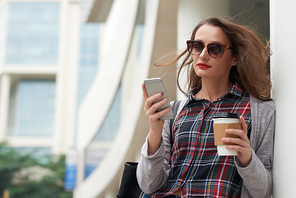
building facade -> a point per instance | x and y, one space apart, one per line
48 61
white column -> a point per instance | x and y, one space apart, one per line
190 13
66 78
283 69
71 74
4 104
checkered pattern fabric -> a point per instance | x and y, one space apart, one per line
196 166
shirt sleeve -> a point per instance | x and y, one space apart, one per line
153 170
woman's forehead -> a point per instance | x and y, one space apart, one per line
209 33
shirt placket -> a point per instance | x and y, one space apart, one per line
196 152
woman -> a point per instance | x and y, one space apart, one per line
227 67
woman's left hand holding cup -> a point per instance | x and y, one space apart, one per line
241 144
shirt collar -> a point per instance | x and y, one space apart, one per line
235 90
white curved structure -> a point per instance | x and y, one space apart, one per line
115 49
117 67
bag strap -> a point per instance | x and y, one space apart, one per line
175 110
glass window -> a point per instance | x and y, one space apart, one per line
99 147
89 53
32 33
110 126
3 32
139 30
31 108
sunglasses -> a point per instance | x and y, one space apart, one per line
215 50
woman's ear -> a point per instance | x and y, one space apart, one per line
234 62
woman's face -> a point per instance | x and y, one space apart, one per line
207 67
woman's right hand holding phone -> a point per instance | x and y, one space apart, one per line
156 125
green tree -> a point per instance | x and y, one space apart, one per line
28 176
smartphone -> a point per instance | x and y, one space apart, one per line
153 86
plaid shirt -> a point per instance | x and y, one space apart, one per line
196 166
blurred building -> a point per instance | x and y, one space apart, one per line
48 60
71 74
45 72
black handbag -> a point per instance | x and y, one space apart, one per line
129 187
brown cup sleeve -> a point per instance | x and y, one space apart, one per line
219 131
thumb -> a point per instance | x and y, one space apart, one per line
244 125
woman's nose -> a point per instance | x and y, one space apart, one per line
204 53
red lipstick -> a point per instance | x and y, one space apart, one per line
203 66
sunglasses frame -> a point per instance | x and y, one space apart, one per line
208 46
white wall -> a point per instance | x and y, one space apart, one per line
283 68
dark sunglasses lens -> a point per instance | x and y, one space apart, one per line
195 47
216 50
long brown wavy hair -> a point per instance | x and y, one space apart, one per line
252 56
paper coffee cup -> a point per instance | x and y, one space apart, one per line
223 121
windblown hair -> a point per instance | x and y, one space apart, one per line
252 69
